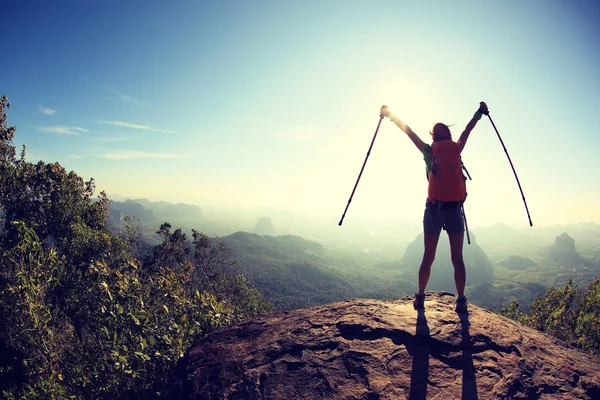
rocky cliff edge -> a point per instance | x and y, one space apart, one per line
370 349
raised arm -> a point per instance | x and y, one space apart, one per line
462 140
413 136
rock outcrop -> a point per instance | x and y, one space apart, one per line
264 226
563 252
369 349
564 244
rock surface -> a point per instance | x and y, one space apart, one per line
369 349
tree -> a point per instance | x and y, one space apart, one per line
513 311
565 313
174 249
129 341
555 312
212 268
82 317
587 327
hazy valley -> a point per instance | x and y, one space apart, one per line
296 262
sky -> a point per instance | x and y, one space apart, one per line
274 104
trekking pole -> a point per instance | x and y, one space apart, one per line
462 209
362 169
465 169
513 169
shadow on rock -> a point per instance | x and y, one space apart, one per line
469 380
420 355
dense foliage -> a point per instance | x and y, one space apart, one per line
87 313
565 313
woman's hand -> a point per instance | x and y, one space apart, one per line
483 108
384 111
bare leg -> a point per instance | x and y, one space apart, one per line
431 241
460 274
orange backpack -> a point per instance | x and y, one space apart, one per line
446 180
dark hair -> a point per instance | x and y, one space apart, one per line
440 132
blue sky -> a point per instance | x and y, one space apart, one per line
273 104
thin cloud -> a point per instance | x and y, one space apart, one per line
112 139
134 155
134 126
132 100
63 130
114 92
126 98
46 110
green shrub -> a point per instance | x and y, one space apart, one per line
587 327
565 313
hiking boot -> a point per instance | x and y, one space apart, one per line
461 305
419 302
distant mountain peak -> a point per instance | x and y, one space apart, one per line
501 228
264 226
564 243
563 252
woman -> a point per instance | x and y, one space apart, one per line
445 195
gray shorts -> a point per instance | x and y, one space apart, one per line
447 216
